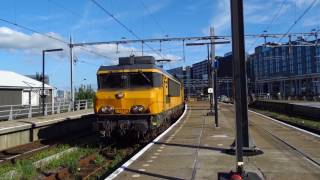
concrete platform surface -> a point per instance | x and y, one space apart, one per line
195 149
22 124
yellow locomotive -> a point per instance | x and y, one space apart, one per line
136 98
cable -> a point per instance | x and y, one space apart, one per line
153 18
299 18
122 24
270 24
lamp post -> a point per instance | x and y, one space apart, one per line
43 96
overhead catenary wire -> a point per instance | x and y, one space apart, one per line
153 18
276 15
299 18
123 25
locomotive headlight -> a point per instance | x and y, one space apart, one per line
137 109
107 109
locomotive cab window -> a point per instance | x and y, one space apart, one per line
173 88
129 80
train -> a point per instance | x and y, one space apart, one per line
136 99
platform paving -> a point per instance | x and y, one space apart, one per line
195 149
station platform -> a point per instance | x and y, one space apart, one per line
195 149
22 131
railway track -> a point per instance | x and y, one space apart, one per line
298 151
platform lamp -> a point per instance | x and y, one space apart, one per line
43 96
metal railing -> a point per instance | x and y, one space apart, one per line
11 112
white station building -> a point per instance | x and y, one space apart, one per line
16 89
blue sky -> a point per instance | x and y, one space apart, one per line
20 50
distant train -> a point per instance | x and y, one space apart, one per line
136 98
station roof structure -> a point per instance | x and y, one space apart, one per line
12 80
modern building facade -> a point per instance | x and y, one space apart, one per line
195 78
200 70
285 71
225 75
184 74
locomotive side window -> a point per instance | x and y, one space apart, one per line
174 88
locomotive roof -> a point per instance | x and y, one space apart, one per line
136 66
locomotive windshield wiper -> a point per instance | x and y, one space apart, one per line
142 74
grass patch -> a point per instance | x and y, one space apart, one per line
18 166
296 120
99 159
26 169
69 160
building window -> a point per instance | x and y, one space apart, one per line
291 62
284 60
265 64
271 66
299 60
318 59
308 61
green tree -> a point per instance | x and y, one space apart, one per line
84 92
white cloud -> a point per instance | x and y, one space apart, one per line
13 40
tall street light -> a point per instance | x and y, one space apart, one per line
43 96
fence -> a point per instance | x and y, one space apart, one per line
11 112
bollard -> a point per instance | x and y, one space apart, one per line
11 114
78 107
69 108
46 110
58 109
52 108
86 106
30 112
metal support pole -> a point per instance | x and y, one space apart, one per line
210 113
71 73
215 98
42 95
214 74
239 77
